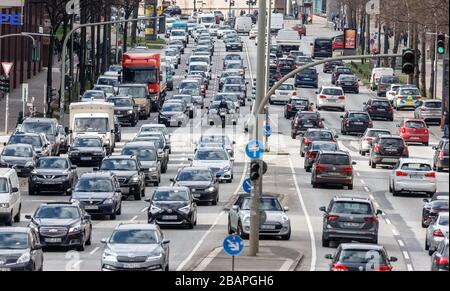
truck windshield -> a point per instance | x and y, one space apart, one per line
91 124
208 19
133 91
140 75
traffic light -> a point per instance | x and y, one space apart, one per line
254 170
408 61
440 44
4 84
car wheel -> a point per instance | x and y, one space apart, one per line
81 247
373 165
17 217
427 246
30 191
156 184
215 200
143 192
286 236
293 135
119 211
363 153
394 191
350 187
375 241
426 144
137 195
430 252
423 224
439 169
302 154
315 185
113 216
89 241
240 232
325 242
308 169
166 269
390 187
230 231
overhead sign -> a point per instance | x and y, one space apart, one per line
247 185
254 149
233 245
11 19
7 67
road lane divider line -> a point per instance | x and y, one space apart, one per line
286 265
144 209
205 263
94 250
401 243
406 255
358 174
409 267
395 232
367 189
308 220
363 182
134 218
388 221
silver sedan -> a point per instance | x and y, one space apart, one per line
436 232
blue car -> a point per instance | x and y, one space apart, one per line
307 78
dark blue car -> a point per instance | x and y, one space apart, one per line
307 78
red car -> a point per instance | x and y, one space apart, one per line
338 42
415 130
301 29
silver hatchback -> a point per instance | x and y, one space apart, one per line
436 232
429 110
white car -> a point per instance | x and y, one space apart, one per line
412 175
253 32
391 92
283 94
179 34
213 29
10 198
217 159
109 90
330 97
436 232
365 143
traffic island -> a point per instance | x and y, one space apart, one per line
269 258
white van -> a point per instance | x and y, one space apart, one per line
376 74
10 198
207 19
277 22
243 24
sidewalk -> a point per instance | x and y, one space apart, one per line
270 258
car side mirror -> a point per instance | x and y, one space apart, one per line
66 129
286 209
4 143
398 125
172 180
103 240
112 131
15 189
190 159
235 207
323 209
317 92
364 103
336 136
165 241
426 200
311 44
323 119
353 163
232 159
393 259
342 116
95 169
27 216
328 256
148 200
379 212
87 217
73 167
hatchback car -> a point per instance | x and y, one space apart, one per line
147 153
365 142
237 90
337 71
387 149
93 95
437 231
406 98
227 143
303 60
314 149
315 135
414 131
432 207
348 83
330 97
283 93
360 257
332 167
276 223
125 109
158 128
159 143
20 156
412 175
190 103
439 259
305 120
429 111
441 155
350 218
202 182
39 141
138 247
218 160
173 206
296 104
379 108
355 122
173 114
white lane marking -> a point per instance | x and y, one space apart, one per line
342 146
202 239
358 174
363 182
287 265
388 221
76 264
144 209
205 263
94 250
366 189
371 197
401 243
395 232
409 267
376 204
308 220
134 218
406 255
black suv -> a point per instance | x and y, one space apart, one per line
379 108
202 182
87 150
387 149
125 109
99 193
328 67
305 120
63 224
52 174
130 174
286 65
355 122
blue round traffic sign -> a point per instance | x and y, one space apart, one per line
247 185
267 130
233 245
254 149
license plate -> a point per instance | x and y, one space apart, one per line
381 109
351 224
267 227
131 265
415 137
53 240
119 115
333 174
91 207
307 79
5 269
359 123
169 217
86 158
348 84
332 100
391 150
173 123
308 125
197 195
415 176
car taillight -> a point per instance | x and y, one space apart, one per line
339 267
403 130
368 138
423 108
337 83
405 150
320 168
400 174
370 123
347 170
308 141
390 109
426 131
290 106
384 268
323 97
431 175
341 97
332 218
442 261
441 154
438 233
376 148
355 84
347 122
370 107
371 219
399 97
294 93
312 155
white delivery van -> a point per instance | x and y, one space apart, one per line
277 22
93 118
10 199
243 24
207 19
376 74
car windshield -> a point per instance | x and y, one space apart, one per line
108 81
188 85
409 91
134 236
233 66
320 135
422 167
57 212
211 156
87 142
232 89
300 102
202 68
332 91
379 103
286 62
121 102
433 104
144 154
52 163
91 124
236 81
358 117
324 146
215 105
38 127
415 124
215 139
286 87
389 79
178 33
94 95
347 78
370 258
133 91
309 72
207 19
171 195
119 165
265 204
391 142
304 59
160 129
172 107
233 57
94 185
32 140
330 159
13 241
228 74
106 89
351 208
344 70
4 188
375 133
194 175
18 151
114 68
171 53
228 97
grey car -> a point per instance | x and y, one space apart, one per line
159 128
350 218
276 222
21 156
136 247
159 143
148 156
441 155
39 141
385 82
429 110
47 126
436 232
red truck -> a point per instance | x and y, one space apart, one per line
143 67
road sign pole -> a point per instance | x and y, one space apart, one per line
232 263
6 113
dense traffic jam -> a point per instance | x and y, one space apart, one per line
46 154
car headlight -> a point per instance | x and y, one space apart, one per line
130 111
34 226
227 169
185 209
211 189
153 257
25 258
284 218
108 201
135 179
152 169
109 256
75 228
154 209
4 205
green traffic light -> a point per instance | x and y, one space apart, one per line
441 50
